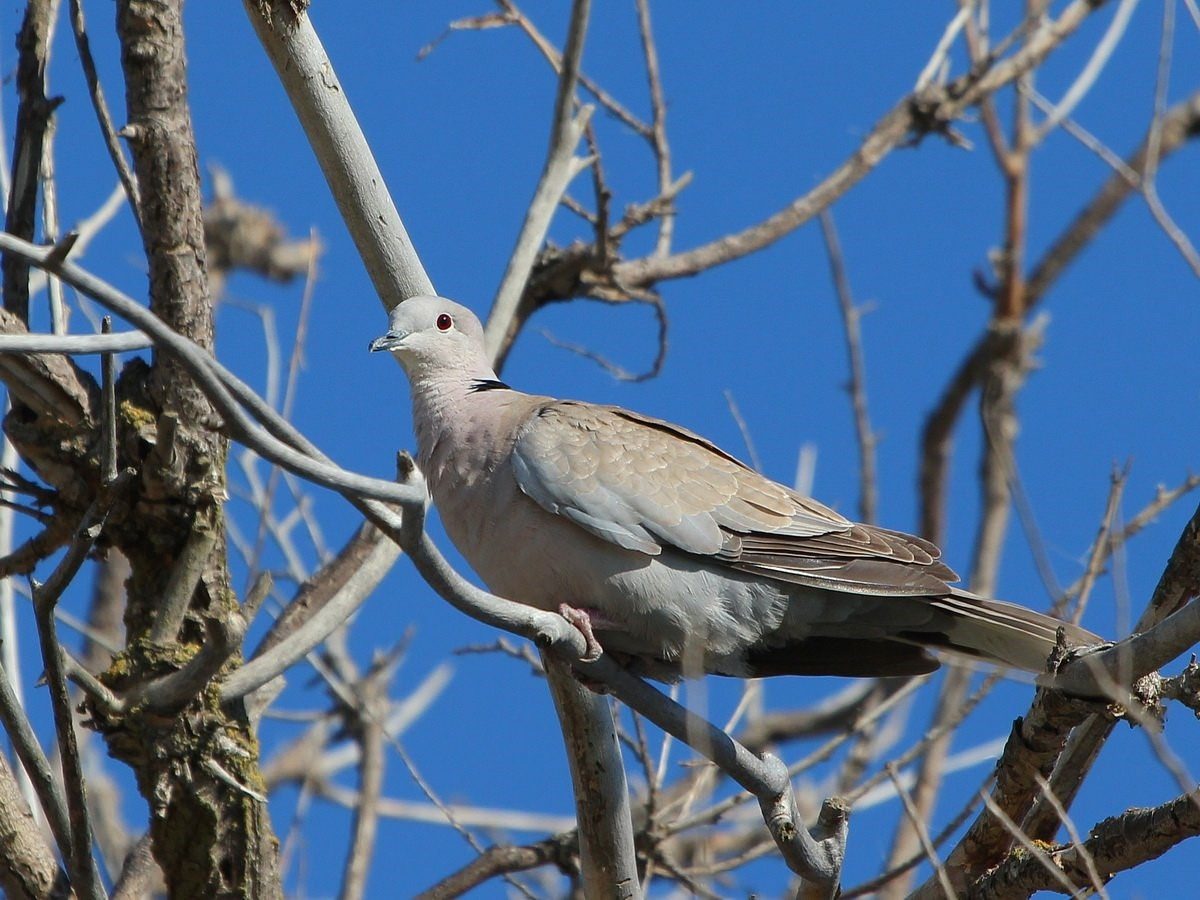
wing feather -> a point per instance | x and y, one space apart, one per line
645 485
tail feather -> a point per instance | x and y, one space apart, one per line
998 632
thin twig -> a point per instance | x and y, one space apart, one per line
1088 860
922 831
851 319
36 766
370 734
942 51
744 430
1089 73
617 371
894 129
100 105
552 56
560 169
1101 548
108 370
1149 186
658 111
81 864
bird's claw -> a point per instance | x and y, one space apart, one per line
583 622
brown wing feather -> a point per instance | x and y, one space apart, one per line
849 555
649 484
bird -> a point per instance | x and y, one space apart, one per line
668 553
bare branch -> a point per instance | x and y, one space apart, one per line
189 566
220 385
307 756
1115 845
359 551
1033 850
617 371
1042 744
33 123
1172 230
560 169
99 104
51 385
81 864
370 734
353 586
1135 656
1177 125
169 693
1097 882
608 863
951 827
919 113
1101 547
918 825
449 814
1089 73
240 235
851 318
28 869
941 52
309 77
139 872
1005 376
560 850
658 110
818 858
37 767
552 56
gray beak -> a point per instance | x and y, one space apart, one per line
389 341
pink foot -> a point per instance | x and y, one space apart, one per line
582 620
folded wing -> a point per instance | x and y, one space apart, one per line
645 485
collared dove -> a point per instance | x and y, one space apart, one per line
666 551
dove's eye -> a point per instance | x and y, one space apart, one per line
444 322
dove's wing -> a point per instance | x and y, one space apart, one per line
646 485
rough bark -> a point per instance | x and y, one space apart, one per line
33 118
199 770
27 866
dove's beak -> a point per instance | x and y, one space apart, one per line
390 341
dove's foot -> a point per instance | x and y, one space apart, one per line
583 620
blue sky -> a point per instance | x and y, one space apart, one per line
764 100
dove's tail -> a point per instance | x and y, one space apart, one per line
996 631
860 635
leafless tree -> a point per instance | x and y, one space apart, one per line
141 478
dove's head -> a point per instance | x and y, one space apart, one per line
433 335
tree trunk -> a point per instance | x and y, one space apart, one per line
199 771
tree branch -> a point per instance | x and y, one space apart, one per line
115 152
28 869
608 863
917 114
851 319
508 313
559 850
320 102
1115 845
33 121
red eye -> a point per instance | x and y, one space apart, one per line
444 322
